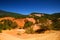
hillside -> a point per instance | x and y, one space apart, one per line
17 15
35 26
11 14
35 20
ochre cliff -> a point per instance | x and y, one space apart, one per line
20 22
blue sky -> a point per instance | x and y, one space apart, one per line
28 6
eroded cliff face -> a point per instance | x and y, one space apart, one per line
20 22
31 20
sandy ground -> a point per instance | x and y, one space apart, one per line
4 36
49 36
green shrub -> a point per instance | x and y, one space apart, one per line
56 26
7 24
1 28
29 30
42 29
27 24
0 31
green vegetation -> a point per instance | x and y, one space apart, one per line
30 30
56 15
7 24
28 27
28 24
1 27
11 14
56 25
43 20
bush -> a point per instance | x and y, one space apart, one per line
0 31
56 25
7 24
42 30
29 30
1 28
28 24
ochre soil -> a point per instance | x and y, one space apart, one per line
12 35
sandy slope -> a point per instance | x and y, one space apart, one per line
49 36
4 36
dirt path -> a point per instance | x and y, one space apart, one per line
50 36
4 36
